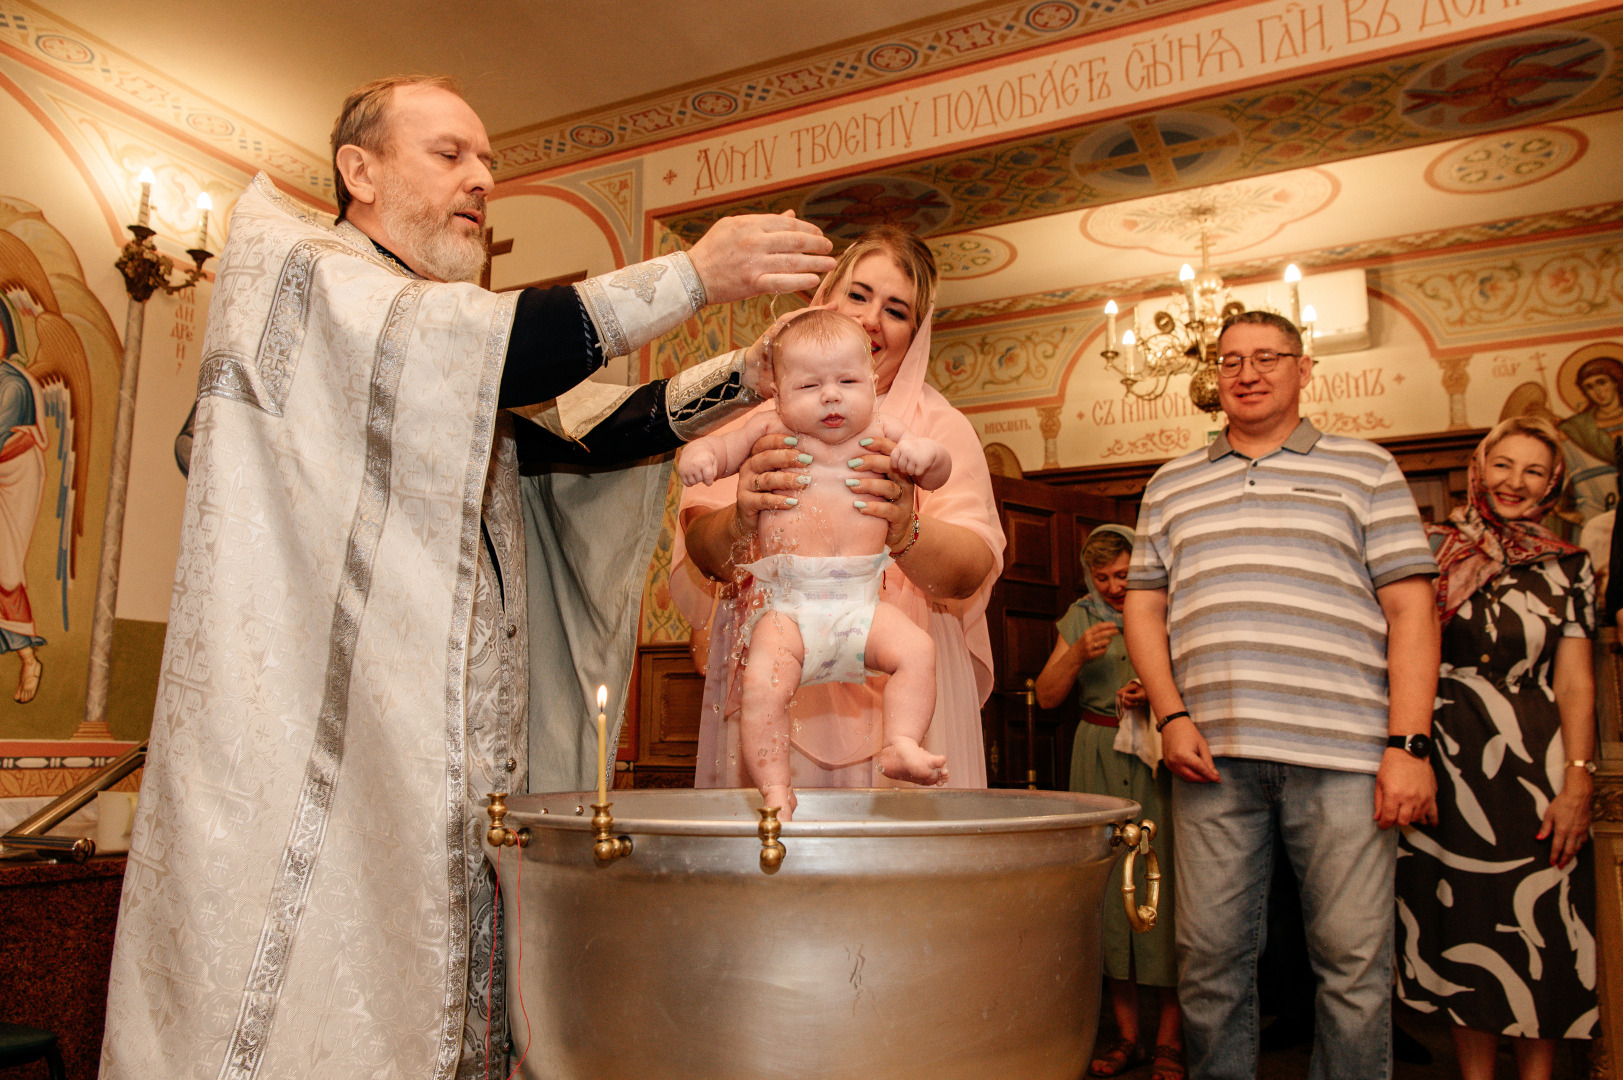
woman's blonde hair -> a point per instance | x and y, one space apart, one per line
1534 427
910 254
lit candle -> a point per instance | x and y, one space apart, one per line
1187 276
1309 317
1293 278
1129 346
144 211
1110 325
602 746
204 204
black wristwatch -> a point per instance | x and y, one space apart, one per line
1418 745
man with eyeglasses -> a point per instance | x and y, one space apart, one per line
1281 616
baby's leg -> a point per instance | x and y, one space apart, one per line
897 646
770 679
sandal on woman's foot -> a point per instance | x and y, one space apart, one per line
1168 1061
1117 1058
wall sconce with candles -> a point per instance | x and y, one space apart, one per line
145 272
1181 337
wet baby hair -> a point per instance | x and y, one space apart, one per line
822 327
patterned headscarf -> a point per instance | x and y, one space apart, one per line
1477 544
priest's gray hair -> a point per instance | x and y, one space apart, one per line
364 120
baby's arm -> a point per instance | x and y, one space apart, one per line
706 460
925 461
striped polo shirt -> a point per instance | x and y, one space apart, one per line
1271 565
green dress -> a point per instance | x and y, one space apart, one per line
1098 768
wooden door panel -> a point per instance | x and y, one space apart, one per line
1045 527
1033 545
1028 638
669 698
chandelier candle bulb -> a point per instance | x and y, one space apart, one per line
143 212
602 746
1129 349
1309 317
1110 325
204 205
1187 276
1293 278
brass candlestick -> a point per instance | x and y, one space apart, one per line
772 849
499 835
605 847
145 271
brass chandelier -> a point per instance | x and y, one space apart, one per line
1181 338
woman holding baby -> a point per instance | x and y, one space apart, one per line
947 547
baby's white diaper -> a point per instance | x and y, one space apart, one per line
832 599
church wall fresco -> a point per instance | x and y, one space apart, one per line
79 122
32 37
1212 134
1435 321
991 114
971 35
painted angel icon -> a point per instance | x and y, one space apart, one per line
44 390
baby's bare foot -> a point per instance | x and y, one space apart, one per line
783 797
904 759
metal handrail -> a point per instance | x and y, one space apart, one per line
29 834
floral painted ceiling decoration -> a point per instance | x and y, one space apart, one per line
1233 216
971 255
1510 160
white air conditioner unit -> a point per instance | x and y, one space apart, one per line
1339 298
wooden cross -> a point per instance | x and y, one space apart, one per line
493 248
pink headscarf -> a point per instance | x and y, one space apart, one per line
1477 544
838 725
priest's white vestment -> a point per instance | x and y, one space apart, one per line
308 838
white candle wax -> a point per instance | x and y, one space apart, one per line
204 205
602 746
143 212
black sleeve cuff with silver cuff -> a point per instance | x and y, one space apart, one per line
636 304
707 395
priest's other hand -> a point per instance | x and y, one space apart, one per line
751 254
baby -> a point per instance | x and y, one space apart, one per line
822 562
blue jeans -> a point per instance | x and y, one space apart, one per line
1345 866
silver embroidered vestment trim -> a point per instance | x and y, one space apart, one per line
302 853
456 688
637 303
707 395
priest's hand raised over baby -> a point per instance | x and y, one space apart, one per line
751 254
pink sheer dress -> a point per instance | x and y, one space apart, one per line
836 729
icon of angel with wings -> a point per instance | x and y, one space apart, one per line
45 409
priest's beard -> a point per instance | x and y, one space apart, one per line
426 237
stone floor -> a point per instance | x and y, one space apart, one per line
1430 1031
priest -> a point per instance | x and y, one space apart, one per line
363 578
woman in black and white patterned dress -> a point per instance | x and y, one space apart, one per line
1496 903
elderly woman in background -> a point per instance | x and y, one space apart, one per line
1091 655
1496 902
947 545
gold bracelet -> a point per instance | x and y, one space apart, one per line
911 540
